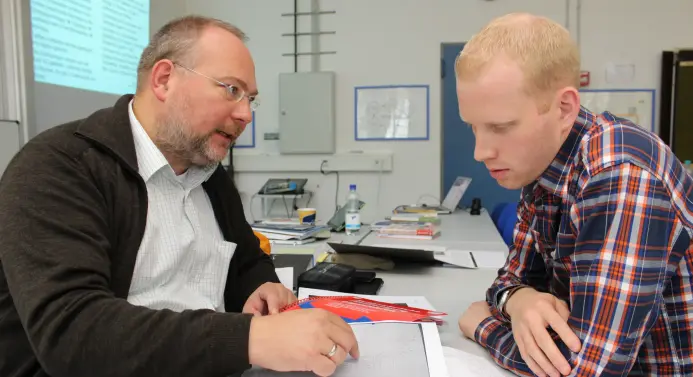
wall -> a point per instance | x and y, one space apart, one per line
162 11
18 100
9 143
398 42
647 29
56 104
12 71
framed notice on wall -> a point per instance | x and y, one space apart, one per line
391 113
636 105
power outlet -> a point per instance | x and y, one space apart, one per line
345 162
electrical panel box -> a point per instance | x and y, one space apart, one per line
307 112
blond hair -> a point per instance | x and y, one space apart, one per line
175 41
543 49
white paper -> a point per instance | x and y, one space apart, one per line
620 73
286 277
489 259
459 258
411 246
636 106
463 364
386 350
392 112
434 350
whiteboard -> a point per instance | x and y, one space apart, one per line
247 138
391 112
636 105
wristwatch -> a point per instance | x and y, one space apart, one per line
504 297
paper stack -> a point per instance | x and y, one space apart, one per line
431 218
295 233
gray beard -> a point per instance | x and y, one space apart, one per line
174 139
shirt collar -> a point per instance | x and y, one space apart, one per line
195 176
149 157
556 177
150 160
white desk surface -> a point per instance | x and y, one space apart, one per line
459 230
449 289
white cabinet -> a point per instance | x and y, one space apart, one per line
306 113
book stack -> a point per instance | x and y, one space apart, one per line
292 233
411 230
421 210
431 218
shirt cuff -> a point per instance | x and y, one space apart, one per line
486 327
495 311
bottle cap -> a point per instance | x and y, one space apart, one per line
352 187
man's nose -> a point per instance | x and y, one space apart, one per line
242 113
483 151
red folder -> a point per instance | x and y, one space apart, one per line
357 309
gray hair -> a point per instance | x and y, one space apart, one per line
175 41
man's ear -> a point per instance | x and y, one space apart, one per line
569 107
160 77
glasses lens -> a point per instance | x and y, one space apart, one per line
235 93
255 103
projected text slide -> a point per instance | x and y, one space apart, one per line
89 44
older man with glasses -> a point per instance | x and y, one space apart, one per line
125 250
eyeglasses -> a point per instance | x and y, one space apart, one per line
234 93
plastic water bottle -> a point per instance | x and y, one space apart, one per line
353 216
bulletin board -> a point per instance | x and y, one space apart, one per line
636 105
247 138
391 112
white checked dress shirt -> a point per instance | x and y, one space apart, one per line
183 260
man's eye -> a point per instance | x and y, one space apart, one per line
234 90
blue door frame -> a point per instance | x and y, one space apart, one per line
457 144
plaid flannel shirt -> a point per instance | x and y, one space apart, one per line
606 228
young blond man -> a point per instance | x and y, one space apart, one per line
598 280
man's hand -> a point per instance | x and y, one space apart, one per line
472 317
300 341
531 312
268 299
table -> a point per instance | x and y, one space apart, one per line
449 289
457 230
461 234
